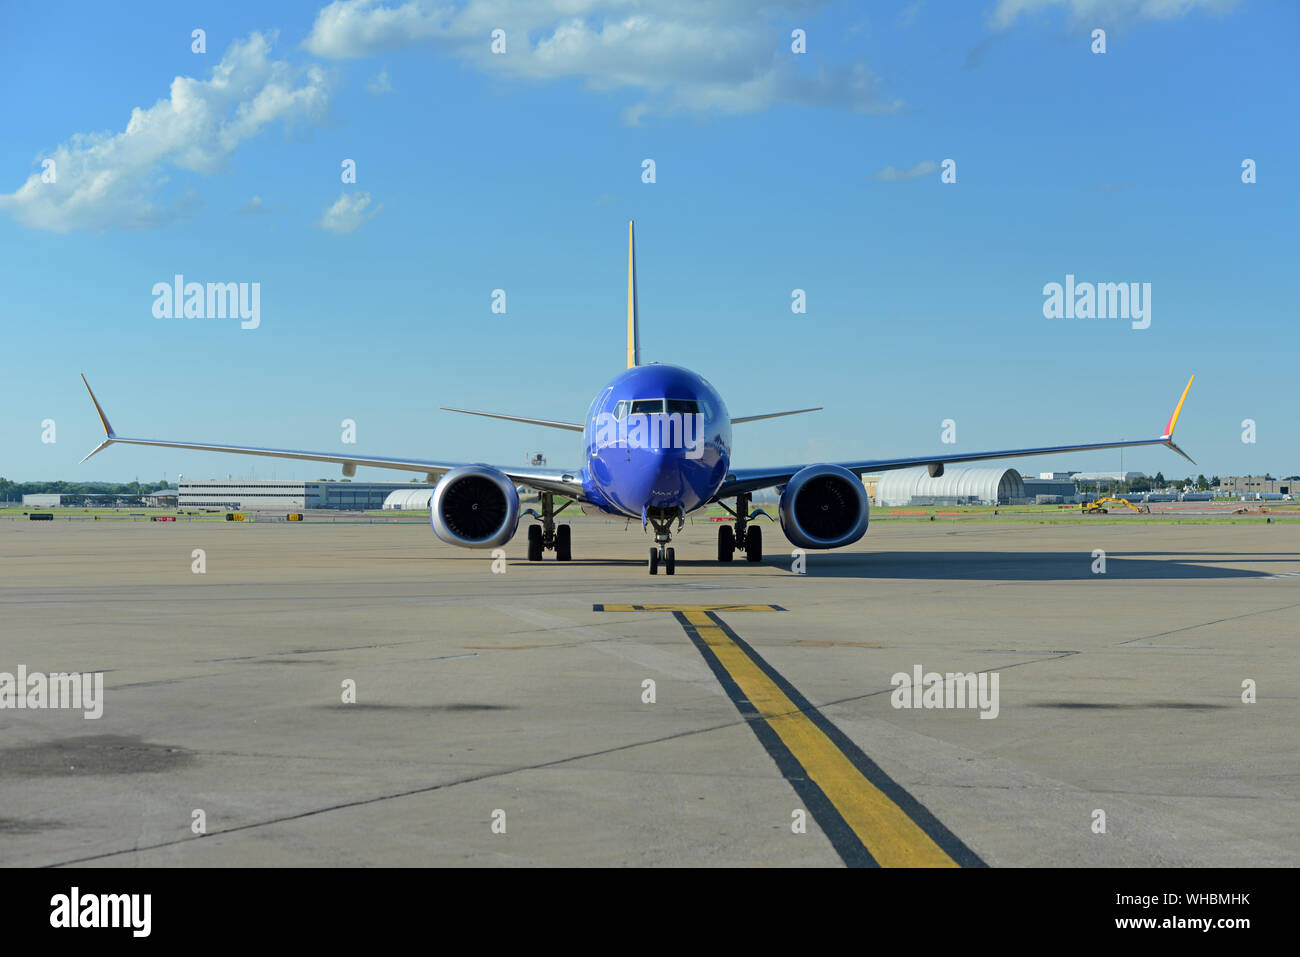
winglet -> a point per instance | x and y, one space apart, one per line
633 326
1170 445
99 448
1168 433
103 419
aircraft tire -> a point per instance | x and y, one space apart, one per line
726 543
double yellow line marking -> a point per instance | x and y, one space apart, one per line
867 816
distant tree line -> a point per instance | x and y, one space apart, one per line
1159 481
14 491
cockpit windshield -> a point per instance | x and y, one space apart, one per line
659 406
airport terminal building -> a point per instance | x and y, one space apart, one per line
1250 485
252 495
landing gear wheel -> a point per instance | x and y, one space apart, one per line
726 543
654 561
563 550
534 543
754 544
670 561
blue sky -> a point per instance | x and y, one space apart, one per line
519 171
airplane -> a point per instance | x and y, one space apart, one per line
657 448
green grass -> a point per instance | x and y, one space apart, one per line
20 512
1072 515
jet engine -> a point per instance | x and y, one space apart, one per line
824 506
474 506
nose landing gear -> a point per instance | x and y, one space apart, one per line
744 536
661 554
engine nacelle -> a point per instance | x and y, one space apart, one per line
474 506
824 506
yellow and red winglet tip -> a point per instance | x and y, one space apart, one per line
103 419
1173 419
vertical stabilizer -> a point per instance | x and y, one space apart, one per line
633 329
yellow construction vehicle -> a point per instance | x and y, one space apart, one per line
1099 507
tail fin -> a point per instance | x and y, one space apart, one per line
633 327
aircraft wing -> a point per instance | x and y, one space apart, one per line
739 481
567 483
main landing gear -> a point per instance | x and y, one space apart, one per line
548 535
746 537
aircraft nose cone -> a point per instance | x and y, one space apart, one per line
651 477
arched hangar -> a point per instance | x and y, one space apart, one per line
408 499
958 485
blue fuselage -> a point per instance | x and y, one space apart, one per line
658 440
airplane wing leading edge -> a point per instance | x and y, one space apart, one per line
740 481
550 480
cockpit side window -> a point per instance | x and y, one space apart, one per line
620 410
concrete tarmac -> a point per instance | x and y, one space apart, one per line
503 702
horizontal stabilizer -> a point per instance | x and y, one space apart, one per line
772 415
549 423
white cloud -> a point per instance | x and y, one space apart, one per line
347 213
353 28
723 56
104 180
891 174
1106 13
379 85
253 207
